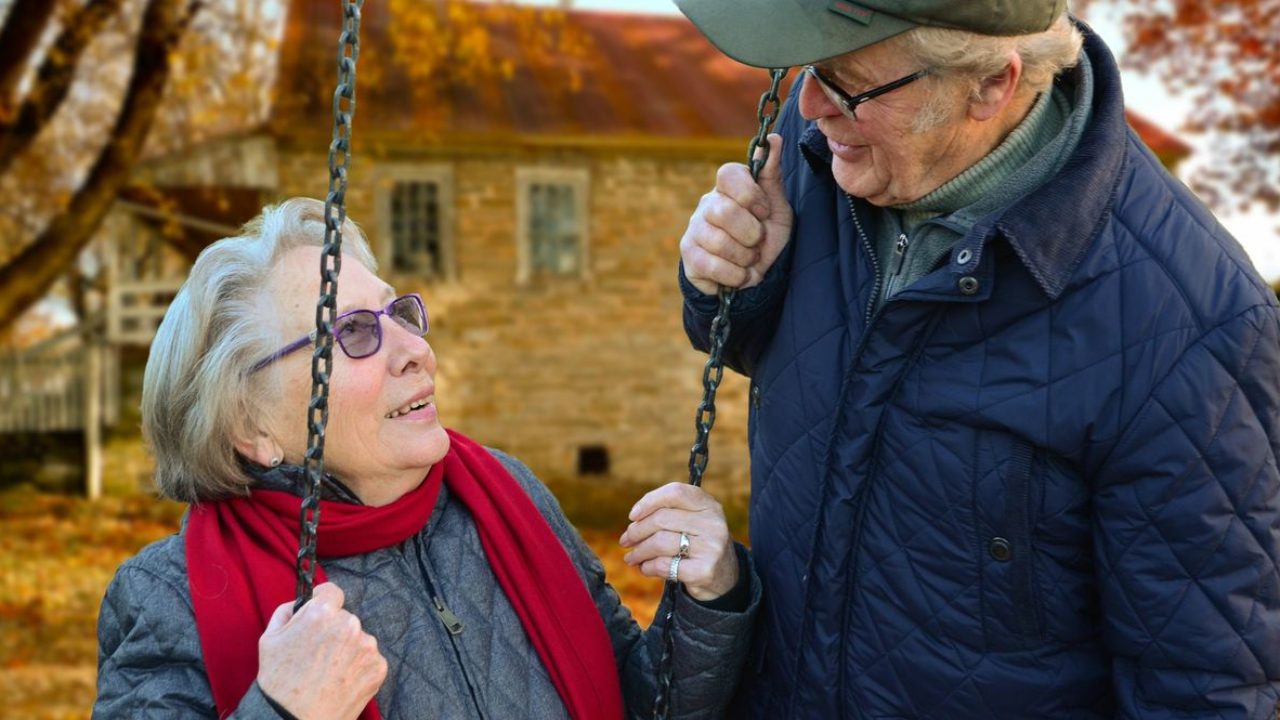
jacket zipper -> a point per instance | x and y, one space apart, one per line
899 259
859 499
451 621
452 624
875 264
901 250
874 308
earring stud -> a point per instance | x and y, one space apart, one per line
275 462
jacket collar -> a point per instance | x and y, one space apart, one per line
293 479
1049 239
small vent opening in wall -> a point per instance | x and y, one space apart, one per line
593 460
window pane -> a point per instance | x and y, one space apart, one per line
554 232
415 228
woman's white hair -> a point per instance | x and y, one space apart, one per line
198 394
972 58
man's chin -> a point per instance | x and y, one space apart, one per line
853 178
856 181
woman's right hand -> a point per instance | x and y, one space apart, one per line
739 228
319 663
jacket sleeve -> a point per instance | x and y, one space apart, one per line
754 313
1187 533
711 645
711 649
752 317
149 660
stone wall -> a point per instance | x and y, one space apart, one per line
555 365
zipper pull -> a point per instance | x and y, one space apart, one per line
900 250
451 621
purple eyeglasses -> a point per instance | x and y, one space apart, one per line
359 332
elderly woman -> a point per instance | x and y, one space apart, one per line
455 586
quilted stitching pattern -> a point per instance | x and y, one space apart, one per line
1119 436
150 662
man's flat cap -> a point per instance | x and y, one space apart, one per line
787 33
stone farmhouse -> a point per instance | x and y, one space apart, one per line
537 208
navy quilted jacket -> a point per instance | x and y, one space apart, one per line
1041 483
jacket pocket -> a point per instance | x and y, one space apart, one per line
1012 610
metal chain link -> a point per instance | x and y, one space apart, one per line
712 373
335 214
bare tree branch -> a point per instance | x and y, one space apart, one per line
53 79
23 27
29 276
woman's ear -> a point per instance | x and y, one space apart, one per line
260 448
997 91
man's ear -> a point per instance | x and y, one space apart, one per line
260 448
997 91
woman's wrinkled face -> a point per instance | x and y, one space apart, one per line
880 157
373 443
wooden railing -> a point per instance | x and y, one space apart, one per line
56 384
136 307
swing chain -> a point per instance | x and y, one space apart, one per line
712 373
335 214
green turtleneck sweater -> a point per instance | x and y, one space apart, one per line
911 239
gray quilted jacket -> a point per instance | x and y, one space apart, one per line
150 666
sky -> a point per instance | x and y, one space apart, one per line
1256 231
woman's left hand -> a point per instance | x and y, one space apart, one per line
710 567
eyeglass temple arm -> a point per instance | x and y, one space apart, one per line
291 347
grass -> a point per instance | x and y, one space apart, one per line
57 555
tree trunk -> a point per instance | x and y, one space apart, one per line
27 278
53 78
23 27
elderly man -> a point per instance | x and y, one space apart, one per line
1015 401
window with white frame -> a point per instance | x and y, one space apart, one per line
415 212
551 209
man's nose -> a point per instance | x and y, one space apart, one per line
814 103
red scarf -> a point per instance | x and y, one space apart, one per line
240 566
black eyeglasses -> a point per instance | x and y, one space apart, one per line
359 332
847 103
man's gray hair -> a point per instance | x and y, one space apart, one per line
198 394
973 58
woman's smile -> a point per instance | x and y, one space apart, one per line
418 408
421 411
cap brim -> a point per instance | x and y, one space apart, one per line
785 33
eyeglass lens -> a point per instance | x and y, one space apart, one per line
409 313
359 332
834 95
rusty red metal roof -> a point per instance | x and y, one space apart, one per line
1165 145
634 75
